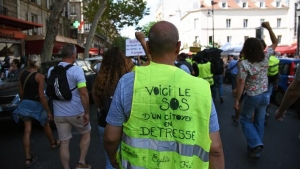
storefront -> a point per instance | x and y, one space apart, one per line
12 36
35 44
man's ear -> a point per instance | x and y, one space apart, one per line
178 47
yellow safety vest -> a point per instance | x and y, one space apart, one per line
205 73
273 66
167 127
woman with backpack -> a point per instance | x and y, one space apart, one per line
33 105
114 66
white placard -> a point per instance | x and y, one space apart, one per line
134 48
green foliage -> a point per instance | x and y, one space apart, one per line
145 28
118 14
120 42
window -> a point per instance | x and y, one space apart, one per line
279 37
73 10
246 37
196 23
224 5
228 22
210 40
245 23
262 20
245 5
229 38
262 4
278 4
278 22
34 18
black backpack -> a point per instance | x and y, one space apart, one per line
58 85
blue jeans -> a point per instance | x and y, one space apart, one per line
107 161
270 90
218 83
254 131
233 81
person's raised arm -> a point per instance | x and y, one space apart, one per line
271 33
140 36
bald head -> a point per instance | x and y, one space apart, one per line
163 38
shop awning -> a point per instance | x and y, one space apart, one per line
93 51
18 23
35 47
286 49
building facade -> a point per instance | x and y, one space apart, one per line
231 20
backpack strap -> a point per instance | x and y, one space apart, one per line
66 68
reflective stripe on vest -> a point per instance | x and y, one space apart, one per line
182 149
205 72
167 128
273 66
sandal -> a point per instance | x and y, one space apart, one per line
31 161
55 144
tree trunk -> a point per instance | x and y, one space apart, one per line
102 8
52 29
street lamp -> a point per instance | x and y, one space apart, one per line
213 26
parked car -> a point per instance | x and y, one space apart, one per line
287 70
9 89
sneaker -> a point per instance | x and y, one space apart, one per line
255 152
221 100
83 166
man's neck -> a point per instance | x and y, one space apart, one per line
67 61
164 59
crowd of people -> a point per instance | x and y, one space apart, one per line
160 112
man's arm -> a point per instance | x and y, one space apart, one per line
112 138
290 96
271 33
140 36
84 97
216 155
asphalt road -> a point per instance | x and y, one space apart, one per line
281 151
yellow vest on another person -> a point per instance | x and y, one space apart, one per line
167 127
205 72
273 66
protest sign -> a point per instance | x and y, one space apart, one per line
134 48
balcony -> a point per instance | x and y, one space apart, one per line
3 11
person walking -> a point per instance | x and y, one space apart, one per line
33 105
74 112
156 115
114 66
252 78
218 70
233 68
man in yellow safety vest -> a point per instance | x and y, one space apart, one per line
155 116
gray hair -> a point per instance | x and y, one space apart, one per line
68 50
163 37
34 61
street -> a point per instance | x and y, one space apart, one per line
281 151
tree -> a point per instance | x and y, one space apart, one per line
145 28
120 13
52 28
120 42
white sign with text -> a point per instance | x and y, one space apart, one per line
134 48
